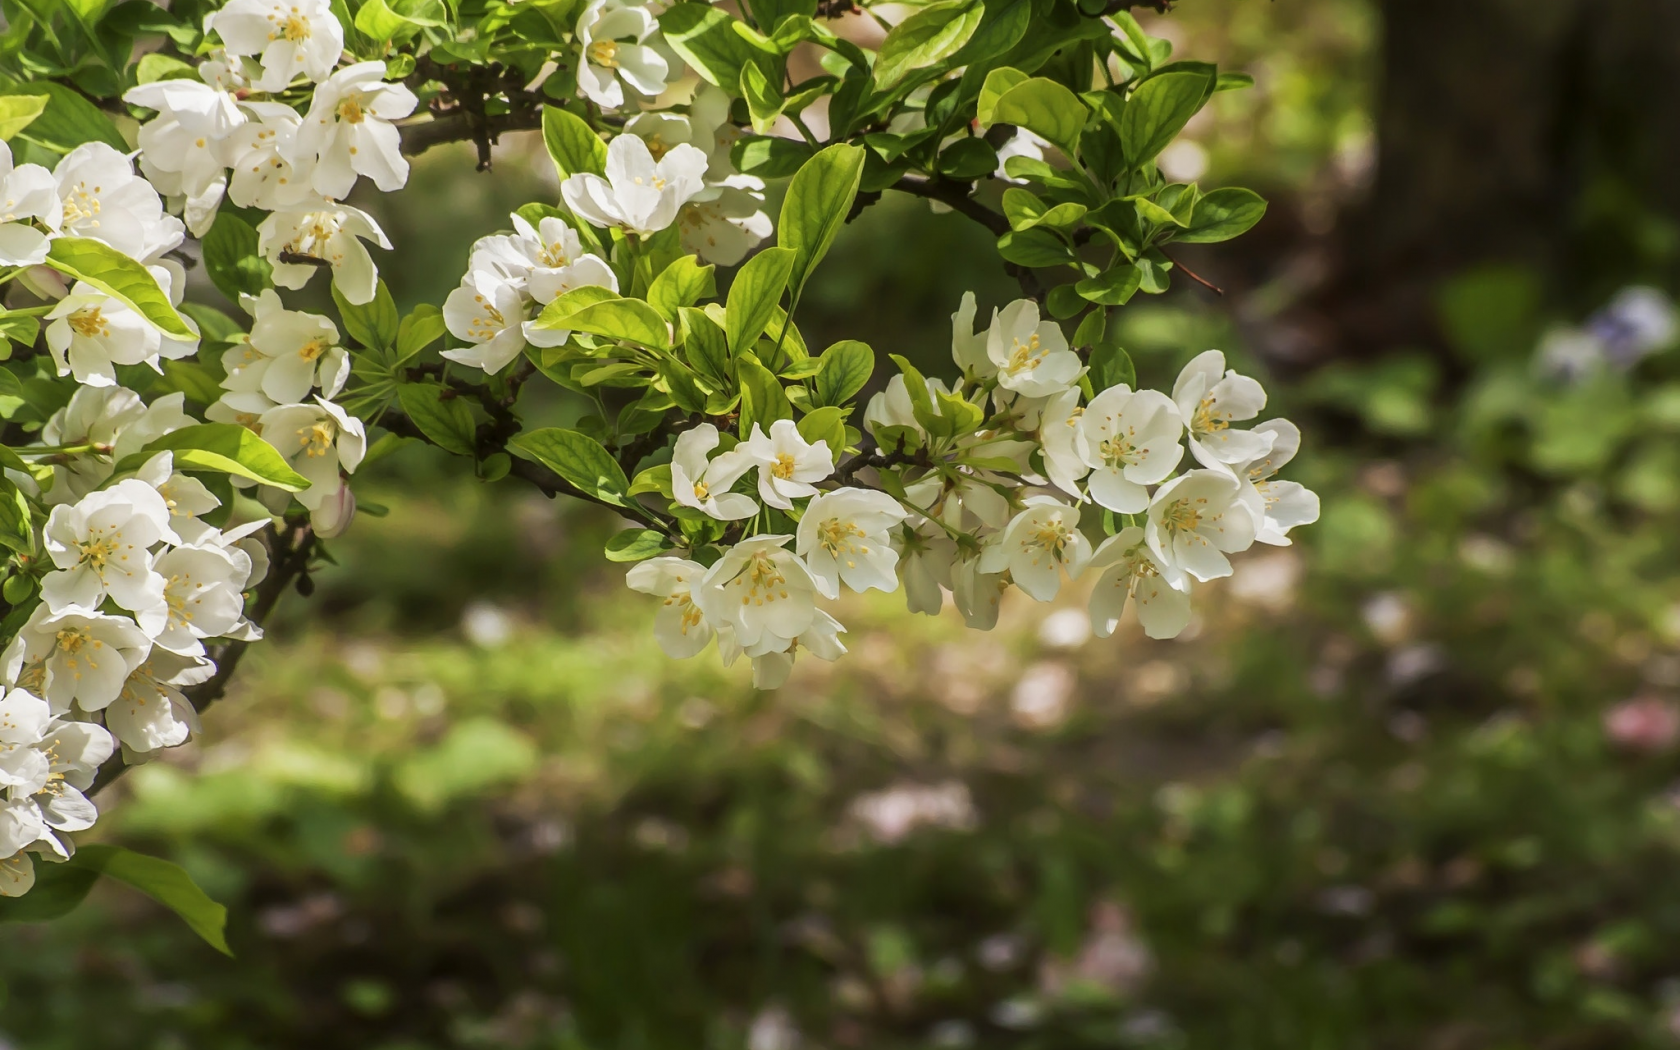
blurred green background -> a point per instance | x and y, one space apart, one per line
1412 782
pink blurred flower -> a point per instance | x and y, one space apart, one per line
1643 724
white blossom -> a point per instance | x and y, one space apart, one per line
977 590
926 555
725 221
89 333
1130 440
75 655
101 197
772 668
184 149
704 485
612 37
317 440
489 312
639 195
348 130
152 712
1039 543
680 627
264 160
787 463
1210 399
1277 506
763 592
101 546
1134 573
27 192
1031 356
202 595
45 766
969 347
331 233
1195 520
290 38
844 536
288 353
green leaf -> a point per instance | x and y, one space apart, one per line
120 277
157 66
1224 214
705 37
763 401
843 370
754 295
769 157
231 257
59 888
1111 366
825 424
706 344
378 22
968 159
636 545
683 283
925 39
18 112
21 329
764 99
1034 248
1233 82
998 83
420 329
68 120
579 459
1149 211
229 449
681 383
375 323
446 421
1158 111
818 199
1043 107
1112 287
165 883
572 144
630 320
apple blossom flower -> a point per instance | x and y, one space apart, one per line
977 590
892 406
333 515
289 37
202 594
771 669
1278 506
75 655
705 485
287 354
680 627
1195 520
1130 440
612 37
101 197
843 536
725 221
184 495
1031 356
787 463
89 333
101 546
1210 399
184 149
1039 543
348 130
329 233
1063 443
763 592
317 440
489 312
638 195
264 160
27 192
45 766
152 712
968 347
926 554
1134 573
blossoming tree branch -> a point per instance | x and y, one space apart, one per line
172 466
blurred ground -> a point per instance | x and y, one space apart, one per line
1409 783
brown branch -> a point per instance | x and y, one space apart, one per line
289 556
460 127
955 196
1194 276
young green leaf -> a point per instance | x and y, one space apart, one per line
1223 214
120 277
843 370
925 39
231 257
1112 287
762 399
375 323
18 112
166 883
578 458
636 545
705 37
420 329
706 345
446 422
753 297
1043 107
68 119
1158 111
229 449
825 424
818 199
630 320
572 145
683 283
764 98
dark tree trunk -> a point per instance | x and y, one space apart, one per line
1538 132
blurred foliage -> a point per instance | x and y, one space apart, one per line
1390 793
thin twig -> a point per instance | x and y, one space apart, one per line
1194 276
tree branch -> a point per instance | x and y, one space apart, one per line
954 195
289 554
1193 275
459 127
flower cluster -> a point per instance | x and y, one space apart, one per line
1012 501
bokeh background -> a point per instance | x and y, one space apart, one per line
1412 782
